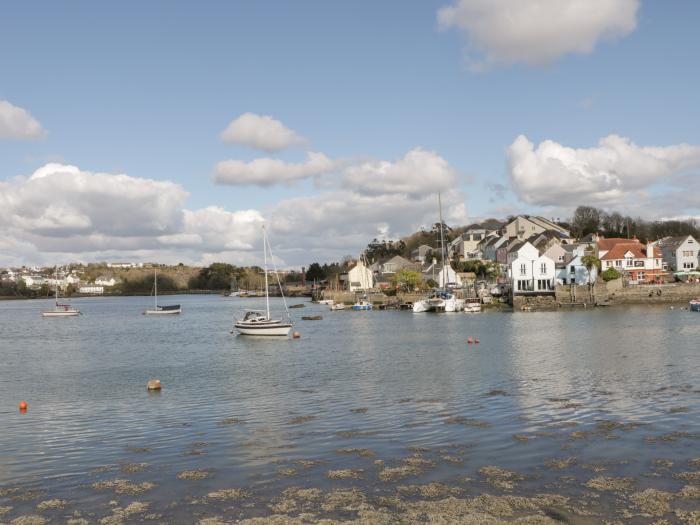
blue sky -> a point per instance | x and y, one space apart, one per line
145 89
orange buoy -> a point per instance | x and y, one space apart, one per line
470 340
476 341
296 335
154 384
23 406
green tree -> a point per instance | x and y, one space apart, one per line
407 280
610 274
315 272
590 261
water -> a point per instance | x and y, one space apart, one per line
614 389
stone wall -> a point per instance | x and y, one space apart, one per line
534 302
655 293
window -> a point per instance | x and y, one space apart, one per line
523 269
640 276
543 268
608 264
628 262
618 263
543 284
687 265
572 269
476 237
639 264
525 285
687 253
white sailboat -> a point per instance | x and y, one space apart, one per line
258 322
441 299
60 310
172 309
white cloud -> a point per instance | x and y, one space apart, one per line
260 132
417 173
537 32
267 172
334 224
557 175
18 123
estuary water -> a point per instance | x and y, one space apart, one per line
581 416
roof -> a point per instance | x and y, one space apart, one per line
607 244
673 242
619 250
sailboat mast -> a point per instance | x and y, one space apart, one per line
442 243
267 290
155 287
56 284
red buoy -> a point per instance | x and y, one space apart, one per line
23 406
470 340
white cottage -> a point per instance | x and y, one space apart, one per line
360 277
529 271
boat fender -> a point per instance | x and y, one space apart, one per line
296 335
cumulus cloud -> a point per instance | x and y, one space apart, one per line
535 33
417 173
65 212
18 123
555 175
334 224
267 171
260 132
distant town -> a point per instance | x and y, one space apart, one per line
525 255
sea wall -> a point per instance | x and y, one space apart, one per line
655 293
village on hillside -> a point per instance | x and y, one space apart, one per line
525 257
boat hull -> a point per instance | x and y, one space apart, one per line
66 313
163 312
364 307
276 330
694 306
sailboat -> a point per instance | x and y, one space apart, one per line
172 309
60 310
441 299
259 322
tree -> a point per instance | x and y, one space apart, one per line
590 261
315 272
406 280
586 220
610 274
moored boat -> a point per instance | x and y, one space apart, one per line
362 304
694 305
258 322
472 307
60 310
171 309
337 306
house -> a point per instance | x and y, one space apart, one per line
637 262
490 246
393 265
91 290
105 281
530 272
466 245
524 226
679 254
34 281
556 252
422 252
572 270
360 277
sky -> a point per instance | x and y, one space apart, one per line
171 131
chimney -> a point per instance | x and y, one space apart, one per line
650 250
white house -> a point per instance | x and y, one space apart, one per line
360 277
574 271
529 271
104 281
679 254
33 281
638 262
447 276
92 290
